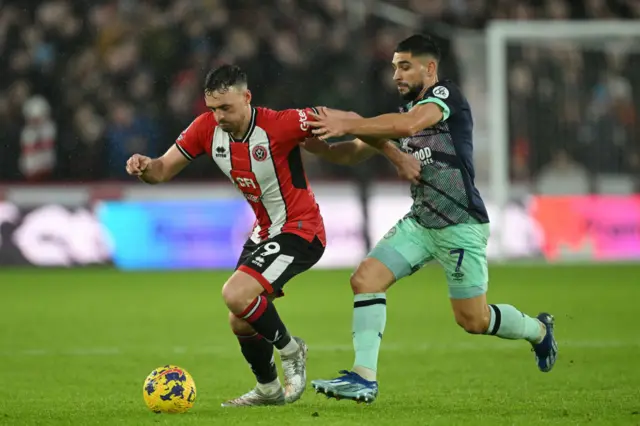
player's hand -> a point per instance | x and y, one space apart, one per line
408 168
315 146
328 126
137 164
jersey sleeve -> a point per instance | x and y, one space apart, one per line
293 125
191 141
446 96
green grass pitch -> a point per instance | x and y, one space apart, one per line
75 347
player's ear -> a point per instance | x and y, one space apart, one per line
248 96
432 67
428 64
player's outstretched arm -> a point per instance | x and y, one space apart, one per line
347 153
157 170
353 152
386 126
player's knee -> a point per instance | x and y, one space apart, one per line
358 283
228 294
472 323
239 326
367 278
235 297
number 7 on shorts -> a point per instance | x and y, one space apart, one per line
460 254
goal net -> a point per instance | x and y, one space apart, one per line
564 134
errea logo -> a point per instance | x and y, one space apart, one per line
303 120
221 152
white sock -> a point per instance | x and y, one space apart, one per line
290 349
270 388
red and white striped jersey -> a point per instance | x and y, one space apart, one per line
266 166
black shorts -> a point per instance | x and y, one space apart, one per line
275 261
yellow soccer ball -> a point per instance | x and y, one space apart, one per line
169 389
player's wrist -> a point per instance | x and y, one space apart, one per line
145 177
392 152
350 125
150 174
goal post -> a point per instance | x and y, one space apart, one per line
499 36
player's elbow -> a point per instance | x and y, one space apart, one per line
351 160
364 153
406 129
339 160
360 158
413 125
414 128
355 158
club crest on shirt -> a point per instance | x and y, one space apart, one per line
404 145
259 153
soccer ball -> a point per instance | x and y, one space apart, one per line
169 389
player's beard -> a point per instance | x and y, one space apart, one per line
226 127
230 128
412 93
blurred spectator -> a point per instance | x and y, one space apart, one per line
521 99
563 176
37 140
128 131
83 154
581 99
606 134
121 76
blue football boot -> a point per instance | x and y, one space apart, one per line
547 350
348 386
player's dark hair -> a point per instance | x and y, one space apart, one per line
222 78
419 45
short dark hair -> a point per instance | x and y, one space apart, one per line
222 78
419 45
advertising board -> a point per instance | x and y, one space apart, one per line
194 227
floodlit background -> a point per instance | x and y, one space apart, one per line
555 92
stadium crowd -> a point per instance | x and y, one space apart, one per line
86 83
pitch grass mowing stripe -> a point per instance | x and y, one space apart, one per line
497 345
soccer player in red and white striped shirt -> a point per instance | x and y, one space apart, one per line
258 149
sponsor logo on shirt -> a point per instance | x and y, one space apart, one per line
303 120
441 92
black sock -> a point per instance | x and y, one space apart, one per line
259 354
264 319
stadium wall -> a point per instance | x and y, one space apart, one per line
188 226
